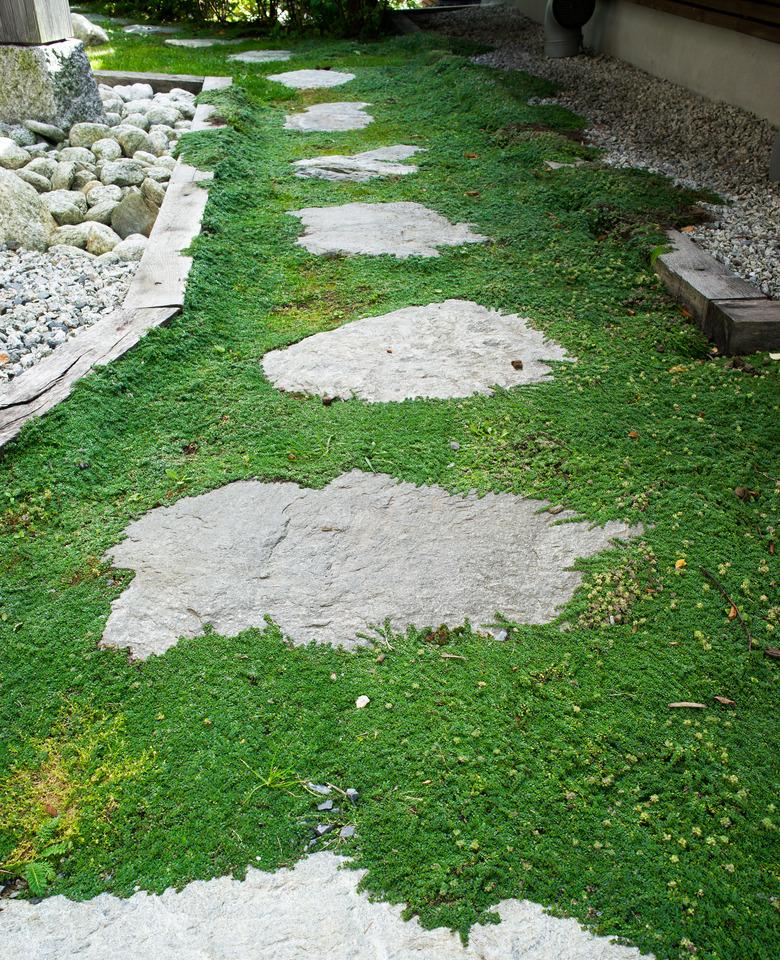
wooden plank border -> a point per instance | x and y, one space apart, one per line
156 293
731 312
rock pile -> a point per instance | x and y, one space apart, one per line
97 183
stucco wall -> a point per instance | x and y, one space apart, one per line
720 64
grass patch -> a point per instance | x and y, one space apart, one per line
547 766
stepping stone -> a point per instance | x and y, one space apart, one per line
401 229
260 56
360 167
201 42
555 165
451 349
311 910
311 79
145 29
327 564
330 117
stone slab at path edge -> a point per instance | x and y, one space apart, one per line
327 564
202 42
261 56
360 167
330 117
311 79
311 910
451 349
145 29
401 229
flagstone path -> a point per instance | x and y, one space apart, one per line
261 56
330 117
450 349
401 229
327 564
360 167
311 79
311 910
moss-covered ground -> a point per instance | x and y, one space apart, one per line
547 766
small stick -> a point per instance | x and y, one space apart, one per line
722 590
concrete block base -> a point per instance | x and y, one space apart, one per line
52 83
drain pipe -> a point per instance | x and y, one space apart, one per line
563 23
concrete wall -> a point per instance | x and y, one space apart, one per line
717 63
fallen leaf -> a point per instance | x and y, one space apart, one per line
452 656
687 704
517 364
327 401
772 652
725 701
732 614
472 193
686 313
190 448
680 368
633 435
471 156
291 456
689 229
746 494
679 564
556 509
4 358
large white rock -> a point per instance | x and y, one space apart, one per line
450 349
330 117
361 166
52 83
328 564
261 56
311 911
89 33
12 156
311 79
401 229
25 220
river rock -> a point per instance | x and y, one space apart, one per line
12 156
40 183
134 214
66 206
24 218
107 149
131 248
46 130
123 173
86 134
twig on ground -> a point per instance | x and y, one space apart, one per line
722 590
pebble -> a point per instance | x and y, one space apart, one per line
346 833
643 121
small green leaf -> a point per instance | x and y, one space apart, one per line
38 877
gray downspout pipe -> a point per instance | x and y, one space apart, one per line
560 41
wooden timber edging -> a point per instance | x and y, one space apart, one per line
156 293
731 312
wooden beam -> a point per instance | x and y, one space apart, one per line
34 21
162 82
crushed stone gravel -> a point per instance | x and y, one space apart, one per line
643 121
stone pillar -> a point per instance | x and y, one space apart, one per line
44 75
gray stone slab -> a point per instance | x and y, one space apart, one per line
198 43
311 910
451 349
330 117
311 79
261 56
146 29
401 229
52 84
360 167
326 564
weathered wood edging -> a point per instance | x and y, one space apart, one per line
731 312
156 293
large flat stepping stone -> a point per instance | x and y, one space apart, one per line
360 167
311 910
261 56
328 564
330 117
146 29
311 79
202 42
401 229
451 349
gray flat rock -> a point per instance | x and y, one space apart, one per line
361 166
311 910
198 43
261 56
145 29
450 349
330 117
326 564
311 79
401 229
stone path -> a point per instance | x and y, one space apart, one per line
450 349
401 229
360 167
327 564
312 910
261 56
311 79
330 117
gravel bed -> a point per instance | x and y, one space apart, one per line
45 297
642 121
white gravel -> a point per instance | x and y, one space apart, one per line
44 297
642 121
